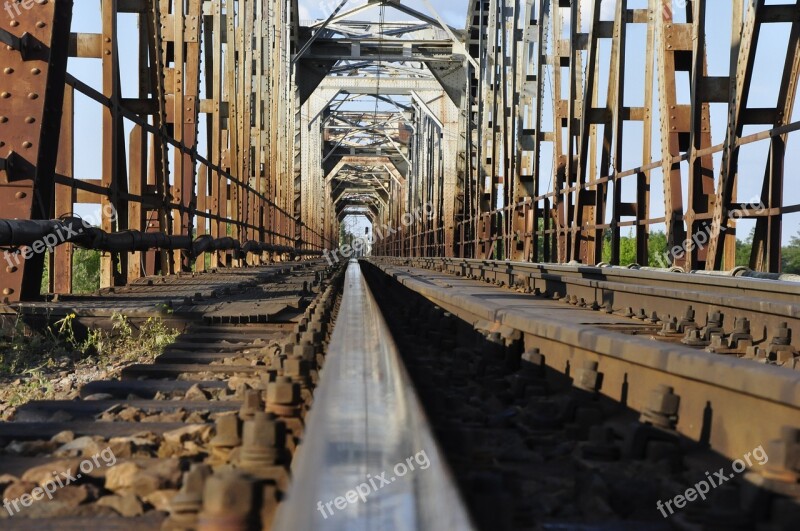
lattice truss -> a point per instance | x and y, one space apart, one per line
381 97
201 146
545 130
558 157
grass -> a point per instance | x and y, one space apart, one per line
28 360
34 386
124 343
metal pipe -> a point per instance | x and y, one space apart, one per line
52 233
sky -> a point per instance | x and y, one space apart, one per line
752 160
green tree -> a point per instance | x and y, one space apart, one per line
656 248
85 271
791 256
744 248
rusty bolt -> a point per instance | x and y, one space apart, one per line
227 432
783 335
533 357
283 392
306 351
262 439
669 327
295 367
716 341
190 497
688 318
742 326
714 320
662 408
252 404
741 338
694 338
227 502
663 400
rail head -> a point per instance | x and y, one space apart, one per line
369 458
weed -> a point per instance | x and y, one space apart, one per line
31 363
124 343
35 386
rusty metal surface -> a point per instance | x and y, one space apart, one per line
749 400
766 304
161 180
470 120
32 94
244 146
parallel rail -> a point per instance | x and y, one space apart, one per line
728 403
766 304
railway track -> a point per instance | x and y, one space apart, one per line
565 416
761 309
227 398
447 395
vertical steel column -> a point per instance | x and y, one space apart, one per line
32 93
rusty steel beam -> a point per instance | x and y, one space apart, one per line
32 100
519 142
160 181
533 58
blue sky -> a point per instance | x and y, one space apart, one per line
769 64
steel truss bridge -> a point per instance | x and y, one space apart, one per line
243 137
493 330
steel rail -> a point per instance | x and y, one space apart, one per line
765 303
729 403
367 419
